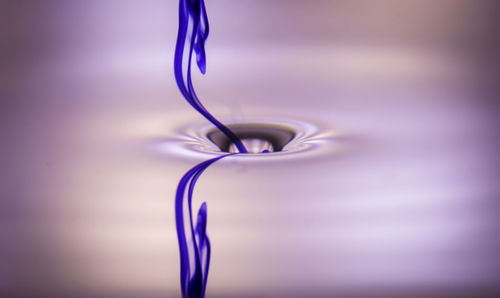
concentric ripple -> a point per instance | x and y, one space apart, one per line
192 141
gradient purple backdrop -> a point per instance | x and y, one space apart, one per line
402 201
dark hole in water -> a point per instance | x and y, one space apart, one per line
258 138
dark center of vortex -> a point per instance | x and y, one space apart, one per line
257 138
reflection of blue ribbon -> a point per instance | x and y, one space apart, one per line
193 16
193 284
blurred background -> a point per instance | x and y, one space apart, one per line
401 199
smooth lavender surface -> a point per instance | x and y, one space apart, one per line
403 204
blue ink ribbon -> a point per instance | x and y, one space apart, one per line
193 16
193 32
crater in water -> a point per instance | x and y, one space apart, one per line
282 138
257 138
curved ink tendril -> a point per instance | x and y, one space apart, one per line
193 284
193 16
